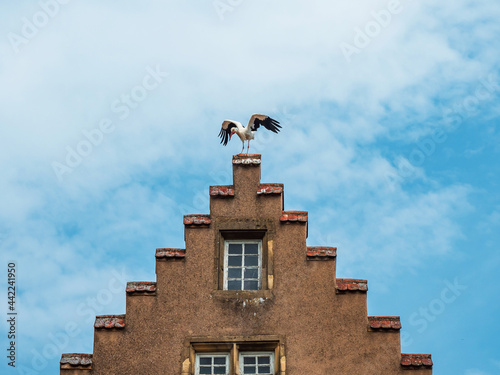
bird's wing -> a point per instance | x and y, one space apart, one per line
225 131
265 121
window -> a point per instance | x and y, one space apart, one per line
250 363
212 364
243 265
231 355
257 363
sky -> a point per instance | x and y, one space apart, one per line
109 115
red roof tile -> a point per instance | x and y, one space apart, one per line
222 191
352 285
144 287
250 159
416 360
197 219
384 322
299 216
270 189
321 252
170 253
77 359
110 321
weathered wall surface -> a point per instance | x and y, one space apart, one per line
324 330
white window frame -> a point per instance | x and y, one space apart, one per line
216 354
252 354
226 258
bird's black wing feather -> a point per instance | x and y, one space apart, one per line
224 133
268 123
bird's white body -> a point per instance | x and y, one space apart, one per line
245 133
230 127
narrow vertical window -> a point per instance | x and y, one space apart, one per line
212 364
243 265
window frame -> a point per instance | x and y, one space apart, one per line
243 242
242 354
246 231
212 354
234 346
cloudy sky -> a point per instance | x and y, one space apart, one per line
109 120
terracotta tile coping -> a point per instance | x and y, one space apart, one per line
243 159
352 285
222 191
321 252
266 189
291 216
169 253
77 359
416 360
141 287
110 321
384 322
197 219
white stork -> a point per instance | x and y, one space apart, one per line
230 127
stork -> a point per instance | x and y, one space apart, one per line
230 127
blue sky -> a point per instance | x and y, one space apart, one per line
109 121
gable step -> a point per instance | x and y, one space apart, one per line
141 287
386 323
222 191
266 189
351 285
169 253
294 216
416 361
110 321
321 253
76 361
197 219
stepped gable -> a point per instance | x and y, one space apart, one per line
246 288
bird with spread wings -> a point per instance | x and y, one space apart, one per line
229 128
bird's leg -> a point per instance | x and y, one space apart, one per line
248 147
242 147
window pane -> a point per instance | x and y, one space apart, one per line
235 248
205 361
234 273
251 285
249 360
252 273
219 369
264 360
251 261
264 370
205 370
251 248
219 360
234 285
234 261
249 370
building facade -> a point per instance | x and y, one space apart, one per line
246 296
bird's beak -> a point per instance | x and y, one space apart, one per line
230 135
